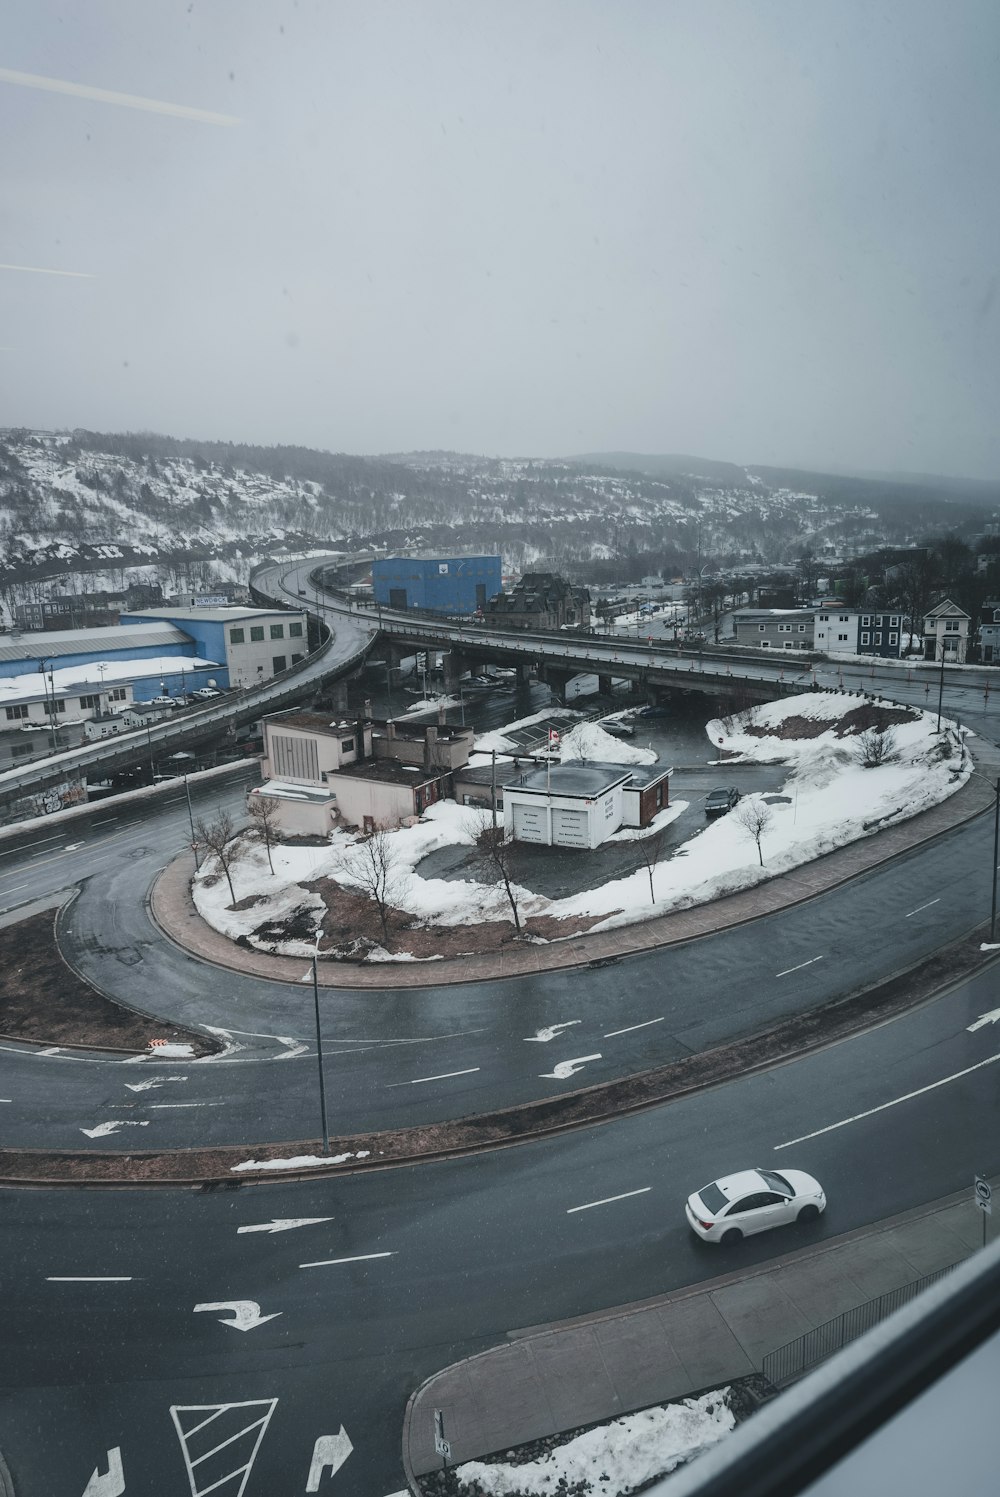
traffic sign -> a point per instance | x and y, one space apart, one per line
441 1446
984 1195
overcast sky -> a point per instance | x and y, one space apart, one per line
763 232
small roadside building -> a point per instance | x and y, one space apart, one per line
946 633
775 628
989 633
566 805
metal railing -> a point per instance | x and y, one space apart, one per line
796 1358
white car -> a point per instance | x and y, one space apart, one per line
753 1201
204 693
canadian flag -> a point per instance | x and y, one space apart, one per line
553 735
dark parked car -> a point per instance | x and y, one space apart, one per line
653 712
718 802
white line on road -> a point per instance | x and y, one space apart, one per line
608 1200
162 1105
361 1258
85 1279
631 1027
907 1097
445 1076
924 906
799 967
6 1099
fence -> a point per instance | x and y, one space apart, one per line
798 1357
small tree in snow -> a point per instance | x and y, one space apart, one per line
649 849
264 810
219 835
373 866
754 816
497 846
876 746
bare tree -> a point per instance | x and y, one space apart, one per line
497 845
264 810
373 866
754 816
219 836
876 746
649 849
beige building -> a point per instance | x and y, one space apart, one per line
946 633
356 773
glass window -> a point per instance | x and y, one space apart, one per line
894 621
894 639
866 621
118 694
864 637
236 636
256 633
295 631
761 627
713 1198
277 631
877 637
90 701
347 745
13 713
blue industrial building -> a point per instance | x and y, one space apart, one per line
440 584
57 649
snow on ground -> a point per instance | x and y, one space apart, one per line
101 674
498 740
297 1162
659 823
614 1459
589 742
431 704
828 800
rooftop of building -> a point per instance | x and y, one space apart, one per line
230 614
313 722
448 557
44 644
387 772
582 780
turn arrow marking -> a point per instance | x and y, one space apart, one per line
112 1483
104 1129
567 1068
246 1313
287 1224
329 1454
993 1017
542 1036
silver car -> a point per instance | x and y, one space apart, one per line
752 1201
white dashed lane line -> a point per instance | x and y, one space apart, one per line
611 1035
799 967
607 1200
445 1076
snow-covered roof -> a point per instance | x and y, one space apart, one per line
585 780
281 790
227 615
48 644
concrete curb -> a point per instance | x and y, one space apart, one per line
6 1480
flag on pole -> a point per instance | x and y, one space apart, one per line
553 735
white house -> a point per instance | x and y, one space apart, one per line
567 805
946 633
837 630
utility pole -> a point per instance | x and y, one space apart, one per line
194 839
996 858
319 1050
940 689
493 785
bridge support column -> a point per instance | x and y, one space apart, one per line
557 680
523 672
604 685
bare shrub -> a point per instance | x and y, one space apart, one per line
264 810
373 865
876 746
754 816
497 846
219 836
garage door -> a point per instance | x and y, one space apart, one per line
569 828
529 824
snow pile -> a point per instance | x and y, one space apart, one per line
615 1459
297 1162
498 740
588 743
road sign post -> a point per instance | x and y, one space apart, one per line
441 1445
984 1200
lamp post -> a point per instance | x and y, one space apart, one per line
996 859
940 688
319 1049
194 839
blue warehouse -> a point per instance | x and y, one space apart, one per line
450 585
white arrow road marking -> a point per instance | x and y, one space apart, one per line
991 1018
331 1262
542 1036
112 1483
295 1047
329 1454
104 1129
799 967
608 1200
146 1086
246 1313
284 1224
907 1097
567 1068
72 846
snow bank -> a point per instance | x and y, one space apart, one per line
588 741
503 745
613 1459
297 1162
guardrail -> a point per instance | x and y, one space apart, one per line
796 1358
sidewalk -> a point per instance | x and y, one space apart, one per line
616 1361
173 911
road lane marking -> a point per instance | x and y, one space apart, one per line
542 1036
924 906
161 1105
989 1018
88 1279
567 1068
246 1314
907 1097
799 967
284 1224
612 1033
361 1258
608 1200
445 1076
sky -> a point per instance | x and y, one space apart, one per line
763 232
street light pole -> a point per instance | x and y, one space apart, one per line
996 859
194 839
940 689
319 1050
